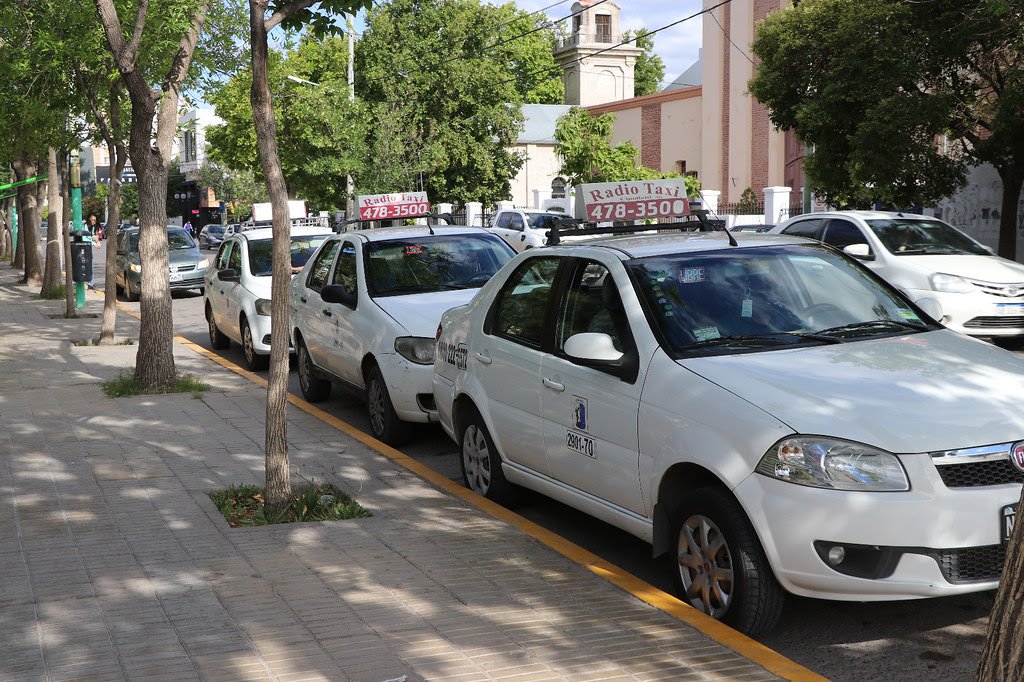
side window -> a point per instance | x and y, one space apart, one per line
235 259
592 304
222 255
516 223
521 305
321 268
345 270
503 219
806 228
842 233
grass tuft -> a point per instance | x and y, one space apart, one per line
125 385
57 293
244 505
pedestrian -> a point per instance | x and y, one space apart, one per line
93 225
188 227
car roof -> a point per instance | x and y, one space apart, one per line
646 245
381 233
864 215
268 232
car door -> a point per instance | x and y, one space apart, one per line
215 287
517 232
507 360
308 307
236 261
590 415
344 326
500 226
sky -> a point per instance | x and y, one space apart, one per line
677 46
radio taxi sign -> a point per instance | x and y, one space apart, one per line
398 205
632 200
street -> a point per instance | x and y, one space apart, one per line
916 640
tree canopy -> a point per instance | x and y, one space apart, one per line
897 99
649 71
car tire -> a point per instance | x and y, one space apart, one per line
384 423
218 339
481 464
314 389
718 565
253 360
128 292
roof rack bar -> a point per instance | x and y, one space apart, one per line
701 224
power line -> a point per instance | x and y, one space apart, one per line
729 38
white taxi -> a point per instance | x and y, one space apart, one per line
238 288
770 415
365 308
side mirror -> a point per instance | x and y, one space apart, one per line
859 251
597 351
931 307
338 293
228 275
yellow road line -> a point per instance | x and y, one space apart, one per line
770 660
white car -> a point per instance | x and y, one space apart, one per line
771 415
238 289
523 228
979 293
364 313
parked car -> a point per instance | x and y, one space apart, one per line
523 228
237 299
980 293
771 416
187 268
365 308
211 236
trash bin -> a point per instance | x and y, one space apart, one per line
81 256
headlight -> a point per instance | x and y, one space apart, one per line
205 263
416 349
263 306
837 464
950 284
135 267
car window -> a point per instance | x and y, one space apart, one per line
222 255
516 223
261 253
433 263
321 267
521 305
910 236
345 269
235 259
178 240
806 228
133 242
542 221
503 220
842 233
592 304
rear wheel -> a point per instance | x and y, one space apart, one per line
129 293
254 360
481 464
384 423
719 567
314 389
218 339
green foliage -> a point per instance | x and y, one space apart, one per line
582 142
244 505
238 189
748 204
649 71
126 385
93 205
54 294
129 201
896 98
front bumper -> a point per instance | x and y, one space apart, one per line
410 387
937 540
977 313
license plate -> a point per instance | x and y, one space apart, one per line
176 277
1010 309
1007 515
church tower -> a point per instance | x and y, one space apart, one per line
595 68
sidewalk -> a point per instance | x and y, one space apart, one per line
115 564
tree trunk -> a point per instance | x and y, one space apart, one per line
276 464
28 228
1012 178
54 235
118 154
1002 658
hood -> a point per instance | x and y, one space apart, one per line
179 256
915 393
421 313
982 268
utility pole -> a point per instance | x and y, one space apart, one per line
75 183
349 184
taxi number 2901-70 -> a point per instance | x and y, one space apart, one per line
577 442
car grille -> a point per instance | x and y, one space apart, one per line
971 564
995 322
183 268
980 473
1013 290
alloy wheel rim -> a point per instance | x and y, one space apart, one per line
213 330
476 458
375 403
705 566
250 352
303 369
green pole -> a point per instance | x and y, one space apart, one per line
76 217
14 229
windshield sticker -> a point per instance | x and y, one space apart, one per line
706 333
758 267
748 308
691 275
581 443
412 250
908 314
452 354
579 412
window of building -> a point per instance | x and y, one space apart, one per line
558 188
603 25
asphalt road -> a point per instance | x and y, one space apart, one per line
911 640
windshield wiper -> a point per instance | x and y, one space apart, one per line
745 339
871 325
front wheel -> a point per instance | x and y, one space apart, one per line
384 423
254 360
481 464
719 567
314 389
129 293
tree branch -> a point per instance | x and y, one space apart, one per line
286 11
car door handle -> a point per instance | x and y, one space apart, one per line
328 313
482 358
554 385
302 298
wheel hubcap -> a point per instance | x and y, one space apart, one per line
250 352
705 566
304 369
375 403
477 460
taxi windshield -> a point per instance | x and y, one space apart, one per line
915 236
767 298
261 253
433 263
179 240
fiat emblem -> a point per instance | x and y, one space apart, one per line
1017 455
